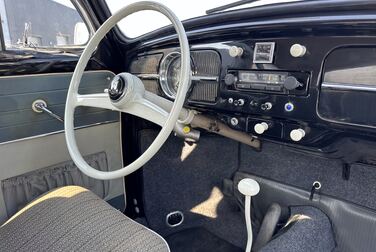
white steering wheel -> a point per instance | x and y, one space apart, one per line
126 93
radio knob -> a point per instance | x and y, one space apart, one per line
298 50
297 134
291 83
235 51
261 127
230 79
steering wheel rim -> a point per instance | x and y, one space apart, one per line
73 97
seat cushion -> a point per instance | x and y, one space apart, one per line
72 218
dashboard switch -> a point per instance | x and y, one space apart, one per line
289 107
230 100
235 51
298 50
239 102
266 106
260 128
297 134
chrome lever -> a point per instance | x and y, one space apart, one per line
40 106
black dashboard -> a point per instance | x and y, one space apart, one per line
304 85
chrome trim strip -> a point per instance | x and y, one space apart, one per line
204 78
344 86
194 77
57 132
148 76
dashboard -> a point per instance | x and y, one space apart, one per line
302 86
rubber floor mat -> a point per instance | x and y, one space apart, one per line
199 240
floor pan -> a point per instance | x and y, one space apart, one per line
198 239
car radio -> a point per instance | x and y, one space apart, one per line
268 81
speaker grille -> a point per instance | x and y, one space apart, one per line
207 64
205 91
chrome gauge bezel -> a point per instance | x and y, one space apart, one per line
163 74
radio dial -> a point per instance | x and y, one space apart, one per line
230 79
260 128
291 83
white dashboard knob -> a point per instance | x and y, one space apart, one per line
297 134
234 121
235 51
248 187
298 50
261 127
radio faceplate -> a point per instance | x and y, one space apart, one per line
282 82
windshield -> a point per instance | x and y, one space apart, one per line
146 21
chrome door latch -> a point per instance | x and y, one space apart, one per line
40 106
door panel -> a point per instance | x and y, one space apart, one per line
17 93
30 141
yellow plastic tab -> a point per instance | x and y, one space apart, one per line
186 129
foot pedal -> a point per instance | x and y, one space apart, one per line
174 219
228 187
268 226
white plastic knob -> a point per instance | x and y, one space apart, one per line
248 187
297 134
235 51
234 121
261 127
298 50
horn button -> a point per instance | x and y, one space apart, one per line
118 87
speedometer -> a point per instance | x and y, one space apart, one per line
169 74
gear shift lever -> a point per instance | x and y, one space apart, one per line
248 187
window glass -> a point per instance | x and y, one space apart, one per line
146 21
41 23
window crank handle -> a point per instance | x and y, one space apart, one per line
40 106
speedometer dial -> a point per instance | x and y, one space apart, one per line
169 74
173 74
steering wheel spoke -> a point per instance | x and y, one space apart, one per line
140 107
147 110
99 100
